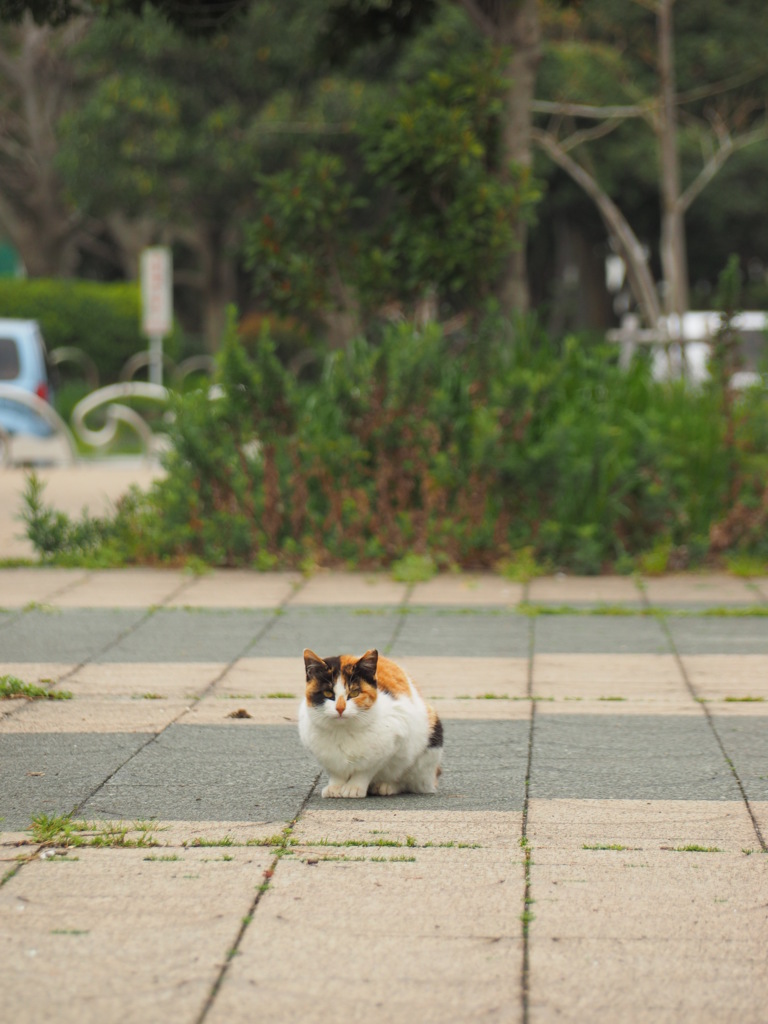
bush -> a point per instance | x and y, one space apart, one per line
450 453
101 319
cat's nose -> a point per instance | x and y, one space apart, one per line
340 706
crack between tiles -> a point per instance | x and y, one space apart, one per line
262 632
713 728
525 917
248 919
400 624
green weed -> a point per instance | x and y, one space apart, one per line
13 688
695 848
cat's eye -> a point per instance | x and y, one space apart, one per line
328 694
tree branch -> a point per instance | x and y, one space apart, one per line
479 18
592 112
618 227
728 146
588 134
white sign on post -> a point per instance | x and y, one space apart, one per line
156 304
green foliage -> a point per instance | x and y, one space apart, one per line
424 451
11 688
101 319
432 207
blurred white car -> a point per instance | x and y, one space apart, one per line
24 365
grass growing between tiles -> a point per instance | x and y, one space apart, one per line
13 688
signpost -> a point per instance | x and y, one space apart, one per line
156 304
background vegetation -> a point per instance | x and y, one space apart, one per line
386 190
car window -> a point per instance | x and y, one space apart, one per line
9 359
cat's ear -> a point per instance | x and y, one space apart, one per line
314 666
366 666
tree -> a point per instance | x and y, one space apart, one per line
172 129
415 205
37 87
718 117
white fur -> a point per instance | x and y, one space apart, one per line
382 749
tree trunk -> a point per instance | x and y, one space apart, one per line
514 25
521 30
36 77
674 261
132 235
627 244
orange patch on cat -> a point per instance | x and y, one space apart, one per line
391 678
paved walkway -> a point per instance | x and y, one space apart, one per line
597 850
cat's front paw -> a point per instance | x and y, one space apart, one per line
345 790
386 788
353 790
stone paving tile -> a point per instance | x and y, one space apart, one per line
689 929
180 680
457 677
257 677
584 590
121 588
94 715
237 588
746 743
497 830
446 633
436 959
467 590
475 751
366 590
219 709
115 936
73 635
36 672
20 587
717 676
760 810
511 709
50 773
558 827
599 634
714 589
617 756
613 704
223 772
175 635
713 635
327 631
651 677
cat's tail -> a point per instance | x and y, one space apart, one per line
435 738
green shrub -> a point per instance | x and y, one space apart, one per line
421 450
101 319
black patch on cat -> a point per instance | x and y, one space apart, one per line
365 668
436 736
322 676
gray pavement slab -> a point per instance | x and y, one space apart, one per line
628 757
599 634
327 631
476 632
232 772
483 770
712 634
75 635
177 634
51 773
745 740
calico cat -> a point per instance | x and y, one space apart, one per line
367 725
